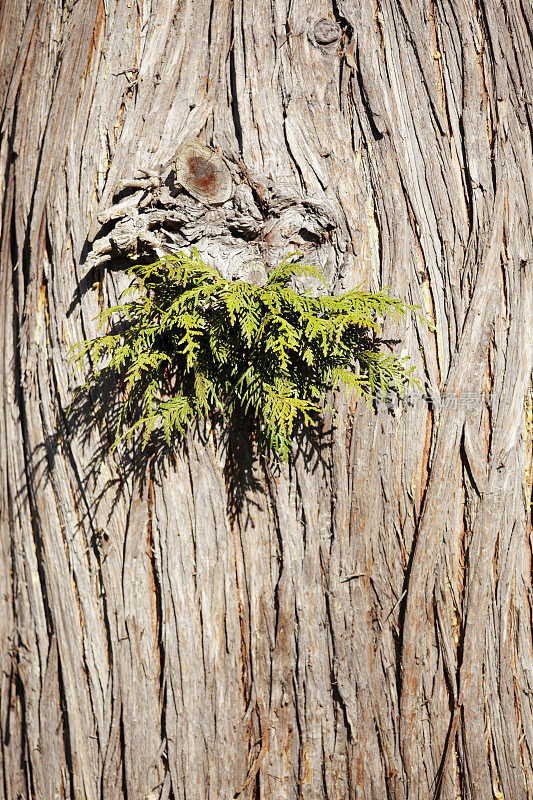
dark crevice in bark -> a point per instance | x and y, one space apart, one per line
467 466
10 195
388 788
493 152
451 683
463 609
325 792
122 739
158 593
26 764
13 231
465 172
345 23
290 152
234 101
300 510
528 23
4 733
15 689
298 767
209 27
363 96
402 608
235 500
377 222
28 489
335 691
287 22
339 700
246 676
66 725
27 256
123 563
5 727
451 677
481 15
340 81
268 479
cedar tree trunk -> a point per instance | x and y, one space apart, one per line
208 623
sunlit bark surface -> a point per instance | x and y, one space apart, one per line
195 624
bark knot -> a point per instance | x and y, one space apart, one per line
325 32
204 174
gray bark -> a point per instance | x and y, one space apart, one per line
357 623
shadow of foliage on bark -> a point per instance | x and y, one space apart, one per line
88 428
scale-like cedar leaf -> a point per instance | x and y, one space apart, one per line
189 342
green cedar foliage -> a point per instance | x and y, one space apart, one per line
190 342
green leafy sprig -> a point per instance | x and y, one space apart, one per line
190 342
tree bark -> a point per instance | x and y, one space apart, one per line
208 623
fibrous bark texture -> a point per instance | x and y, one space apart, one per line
207 623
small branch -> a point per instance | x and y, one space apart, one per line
395 606
352 577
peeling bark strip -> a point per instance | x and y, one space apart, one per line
206 624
